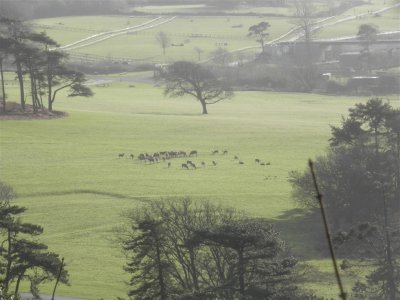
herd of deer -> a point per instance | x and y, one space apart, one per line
157 157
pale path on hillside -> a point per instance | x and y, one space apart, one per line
101 34
323 25
26 296
350 18
97 38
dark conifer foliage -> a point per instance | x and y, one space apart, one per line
363 158
22 256
36 62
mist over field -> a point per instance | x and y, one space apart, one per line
166 149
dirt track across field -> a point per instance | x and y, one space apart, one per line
26 296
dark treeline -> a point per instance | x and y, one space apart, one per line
41 71
31 9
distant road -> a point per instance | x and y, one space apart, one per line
27 296
100 37
346 19
318 25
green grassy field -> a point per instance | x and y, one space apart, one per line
66 171
67 30
206 33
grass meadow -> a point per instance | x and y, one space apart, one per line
66 30
206 33
67 172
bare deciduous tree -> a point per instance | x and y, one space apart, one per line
305 19
163 39
199 51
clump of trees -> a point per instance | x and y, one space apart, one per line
22 256
360 180
363 157
372 246
37 62
180 249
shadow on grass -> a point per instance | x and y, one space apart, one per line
171 114
303 232
83 191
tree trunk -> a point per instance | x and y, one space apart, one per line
204 106
17 286
391 281
241 271
49 91
2 86
376 141
21 84
33 91
58 278
193 269
398 172
9 262
163 293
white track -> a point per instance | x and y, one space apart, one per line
320 24
100 37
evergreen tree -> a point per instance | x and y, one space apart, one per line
363 156
21 257
147 260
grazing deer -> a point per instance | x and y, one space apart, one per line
193 153
120 155
184 166
241 163
131 156
225 152
214 162
214 152
257 161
